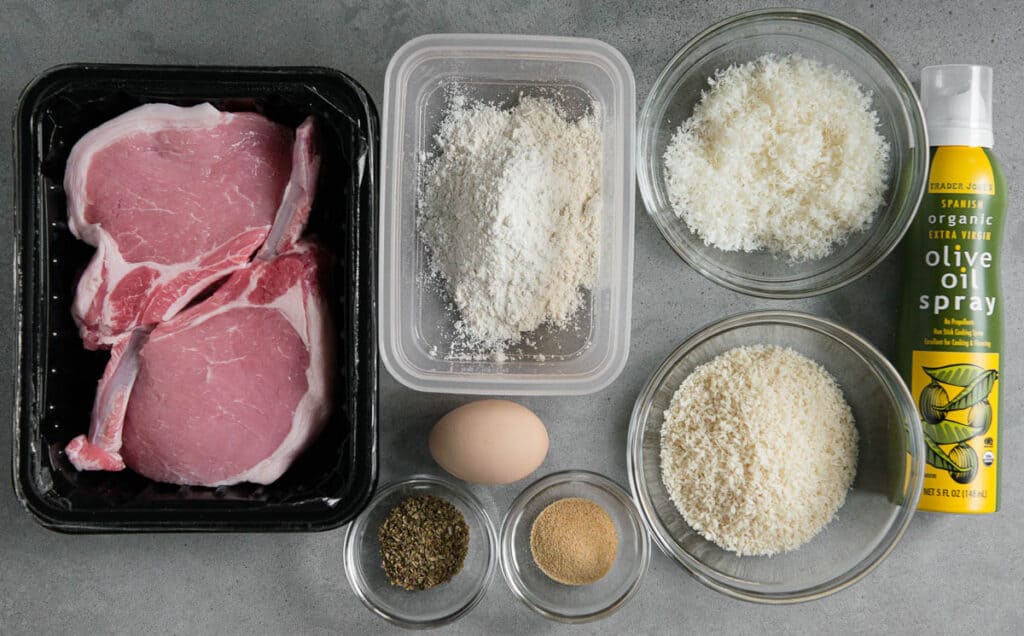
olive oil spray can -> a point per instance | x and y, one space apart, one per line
949 339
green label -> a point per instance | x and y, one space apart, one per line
950 327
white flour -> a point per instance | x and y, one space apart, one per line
509 211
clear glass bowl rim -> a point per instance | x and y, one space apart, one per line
466 497
598 481
708 576
646 129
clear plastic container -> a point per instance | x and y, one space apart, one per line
417 327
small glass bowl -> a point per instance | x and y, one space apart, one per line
742 39
574 603
878 507
441 604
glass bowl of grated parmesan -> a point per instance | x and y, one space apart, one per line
876 509
782 153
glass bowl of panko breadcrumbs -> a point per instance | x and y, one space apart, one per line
782 153
776 456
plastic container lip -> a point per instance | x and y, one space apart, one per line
36 464
657 100
719 581
402 347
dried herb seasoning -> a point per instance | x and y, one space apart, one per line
423 542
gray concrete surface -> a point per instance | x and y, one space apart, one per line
949 574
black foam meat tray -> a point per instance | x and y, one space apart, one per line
56 377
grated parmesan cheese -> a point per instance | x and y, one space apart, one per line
781 154
758 449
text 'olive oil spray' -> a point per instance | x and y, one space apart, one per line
950 325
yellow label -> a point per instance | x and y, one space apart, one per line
961 170
961 450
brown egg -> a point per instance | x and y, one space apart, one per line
489 442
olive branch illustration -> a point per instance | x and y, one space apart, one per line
975 384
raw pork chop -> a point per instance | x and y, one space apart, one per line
229 390
173 199
233 388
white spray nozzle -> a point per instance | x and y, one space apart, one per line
957 103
